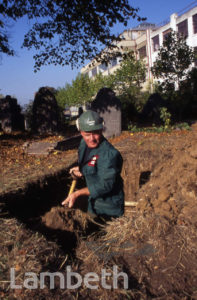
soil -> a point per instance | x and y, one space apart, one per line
154 243
20 169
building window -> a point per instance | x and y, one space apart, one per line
142 52
119 60
183 28
90 73
103 67
166 33
194 18
94 71
195 56
155 41
113 62
134 35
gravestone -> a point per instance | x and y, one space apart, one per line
10 115
45 119
109 108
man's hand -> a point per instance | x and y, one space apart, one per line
76 172
70 200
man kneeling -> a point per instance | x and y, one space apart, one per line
100 164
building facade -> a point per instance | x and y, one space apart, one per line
146 39
132 40
184 23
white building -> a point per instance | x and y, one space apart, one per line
184 23
132 39
146 39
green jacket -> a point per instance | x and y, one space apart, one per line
102 174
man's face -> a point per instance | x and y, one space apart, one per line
92 138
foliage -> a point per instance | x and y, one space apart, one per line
165 116
125 82
173 61
64 95
183 102
77 93
166 127
159 129
65 32
130 75
190 85
82 90
101 81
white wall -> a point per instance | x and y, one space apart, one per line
174 20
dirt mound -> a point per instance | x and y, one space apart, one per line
172 188
65 219
160 174
159 259
154 244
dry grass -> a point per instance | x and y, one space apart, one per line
160 269
160 259
24 251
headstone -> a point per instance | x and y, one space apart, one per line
109 108
45 118
10 115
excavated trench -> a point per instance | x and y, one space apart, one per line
160 175
164 219
30 205
39 207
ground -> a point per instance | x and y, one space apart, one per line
154 243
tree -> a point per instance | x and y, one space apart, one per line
77 93
82 90
128 80
66 32
173 61
101 81
130 75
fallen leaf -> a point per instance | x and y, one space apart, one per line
17 268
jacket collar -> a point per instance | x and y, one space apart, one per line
93 152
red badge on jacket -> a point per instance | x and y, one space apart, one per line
93 160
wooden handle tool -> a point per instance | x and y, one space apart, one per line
130 203
73 185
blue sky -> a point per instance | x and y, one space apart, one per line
16 73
